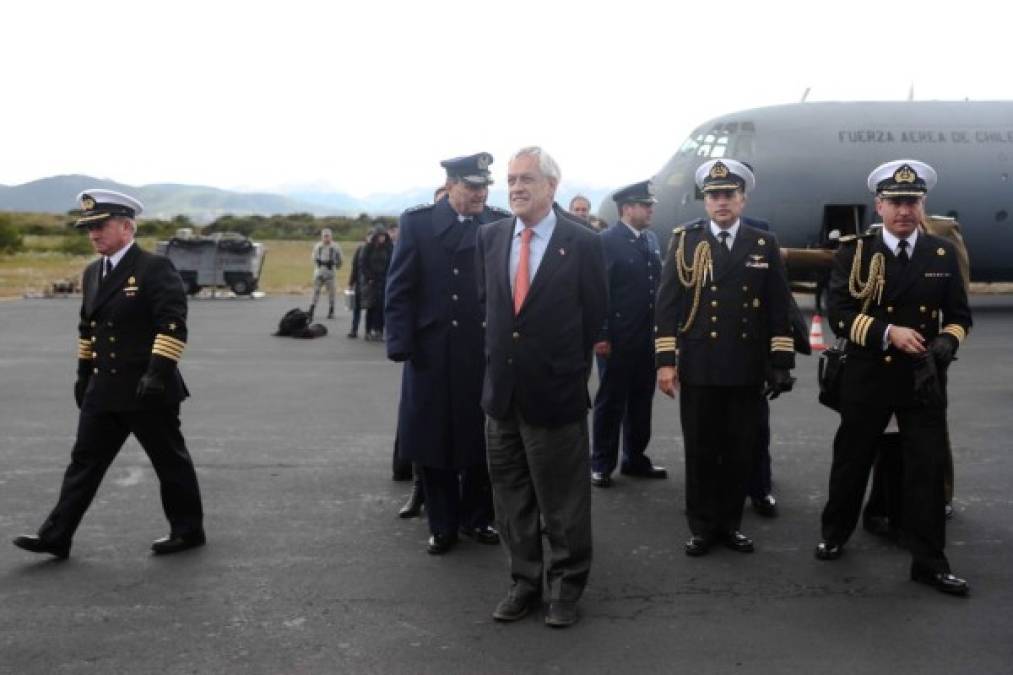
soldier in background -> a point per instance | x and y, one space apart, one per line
890 291
580 206
326 260
353 285
722 329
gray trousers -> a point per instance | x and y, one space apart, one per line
538 475
319 283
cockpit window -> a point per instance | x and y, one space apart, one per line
725 139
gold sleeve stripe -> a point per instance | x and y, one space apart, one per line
168 355
169 340
167 348
84 349
782 344
665 344
956 330
860 328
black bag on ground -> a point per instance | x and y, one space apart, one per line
296 323
829 373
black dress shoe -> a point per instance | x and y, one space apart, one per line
826 550
766 506
31 542
352 335
697 546
600 479
175 543
486 534
943 582
413 507
561 613
649 471
515 605
440 544
738 542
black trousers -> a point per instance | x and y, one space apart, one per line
457 498
100 435
542 475
923 458
760 484
623 401
719 427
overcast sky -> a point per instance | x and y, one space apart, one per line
367 97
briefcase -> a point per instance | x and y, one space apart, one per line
829 372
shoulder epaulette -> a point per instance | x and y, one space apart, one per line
418 207
686 227
936 217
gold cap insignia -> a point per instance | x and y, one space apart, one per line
940 251
87 203
172 326
719 170
761 241
905 174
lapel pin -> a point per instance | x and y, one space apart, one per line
562 251
940 251
761 241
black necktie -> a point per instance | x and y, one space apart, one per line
107 269
723 236
902 256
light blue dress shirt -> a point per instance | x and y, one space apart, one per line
540 236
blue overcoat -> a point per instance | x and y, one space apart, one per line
434 325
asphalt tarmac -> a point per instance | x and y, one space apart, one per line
308 569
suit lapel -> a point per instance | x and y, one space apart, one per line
552 260
920 257
108 287
501 253
92 276
743 244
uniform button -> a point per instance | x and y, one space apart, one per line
650 278
95 370
618 315
934 314
887 359
510 362
109 323
714 303
840 324
112 355
745 288
923 308
93 324
922 326
454 297
517 335
714 289
745 320
454 323
93 338
714 333
113 371
95 355
744 336
889 310
483 324
457 271
745 305
714 319
112 338
650 306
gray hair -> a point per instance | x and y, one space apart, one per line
581 198
546 164
326 230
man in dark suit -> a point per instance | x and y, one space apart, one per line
897 295
434 326
722 329
541 279
131 335
625 348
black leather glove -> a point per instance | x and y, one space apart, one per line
927 389
151 387
80 386
779 380
399 357
942 348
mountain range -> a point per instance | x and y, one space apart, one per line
203 204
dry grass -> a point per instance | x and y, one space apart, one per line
287 266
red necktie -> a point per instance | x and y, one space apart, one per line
523 280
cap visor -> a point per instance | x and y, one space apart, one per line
477 180
901 193
714 187
92 220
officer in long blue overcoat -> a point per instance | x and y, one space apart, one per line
435 327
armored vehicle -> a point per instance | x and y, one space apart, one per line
222 259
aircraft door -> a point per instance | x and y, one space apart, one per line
840 220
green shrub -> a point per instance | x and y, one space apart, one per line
76 244
11 239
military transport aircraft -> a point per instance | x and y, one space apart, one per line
811 161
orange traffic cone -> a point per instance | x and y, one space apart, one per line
816 334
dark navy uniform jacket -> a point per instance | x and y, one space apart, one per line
928 296
434 324
634 272
742 317
132 322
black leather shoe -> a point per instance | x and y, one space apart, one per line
738 542
766 506
561 613
826 550
650 471
486 534
352 335
515 605
697 546
600 479
943 582
440 544
413 507
31 542
175 543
